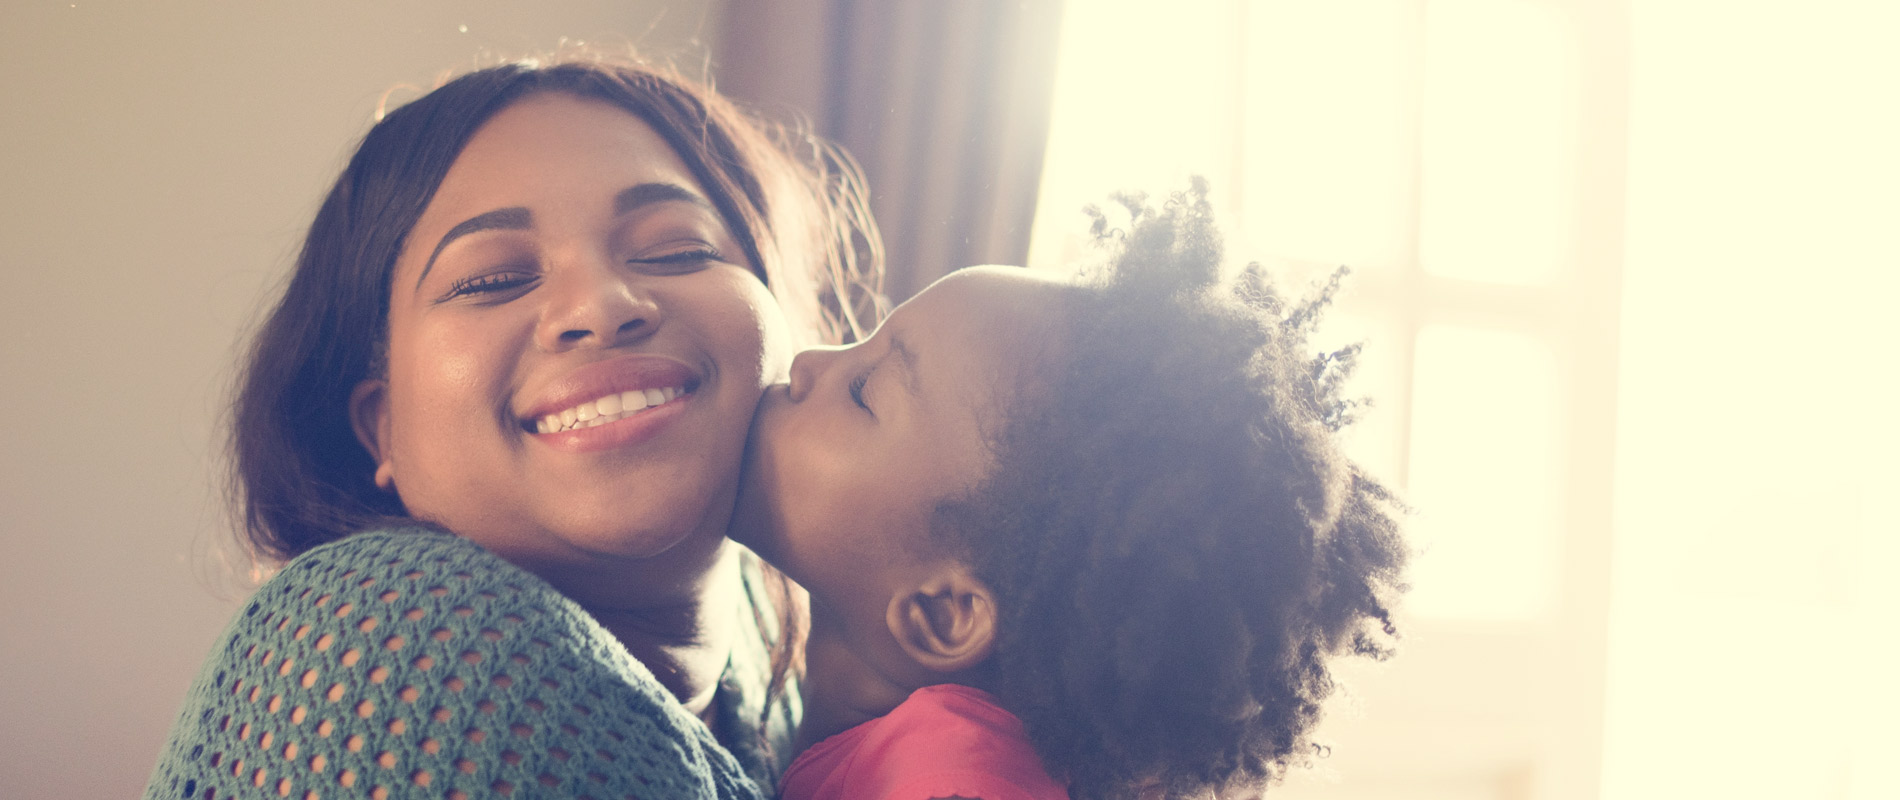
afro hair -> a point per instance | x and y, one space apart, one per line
1177 544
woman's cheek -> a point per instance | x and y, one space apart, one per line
452 363
771 336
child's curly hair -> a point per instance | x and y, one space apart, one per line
1177 545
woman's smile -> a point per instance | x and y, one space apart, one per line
612 408
620 402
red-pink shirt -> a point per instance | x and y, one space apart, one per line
942 741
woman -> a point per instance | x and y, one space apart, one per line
494 427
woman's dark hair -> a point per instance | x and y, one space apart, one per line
796 206
1177 545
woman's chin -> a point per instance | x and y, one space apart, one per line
553 550
649 545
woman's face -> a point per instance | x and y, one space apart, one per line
576 345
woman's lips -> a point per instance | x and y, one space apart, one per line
613 403
611 408
621 431
621 378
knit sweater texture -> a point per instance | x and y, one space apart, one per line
411 663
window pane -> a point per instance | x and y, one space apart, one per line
1136 118
1498 142
1330 130
1483 473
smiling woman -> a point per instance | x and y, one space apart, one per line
535 313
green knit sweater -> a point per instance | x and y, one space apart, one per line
416 664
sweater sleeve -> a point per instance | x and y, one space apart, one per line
416 664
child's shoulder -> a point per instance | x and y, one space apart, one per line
942 741
956 708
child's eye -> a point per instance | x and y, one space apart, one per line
677 263
857 390
490 285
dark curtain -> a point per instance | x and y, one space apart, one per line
945 103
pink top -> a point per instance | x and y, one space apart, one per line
942 741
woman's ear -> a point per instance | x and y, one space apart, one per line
946 623
369 417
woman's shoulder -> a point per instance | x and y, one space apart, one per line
422 551
404 659
385 588
377 585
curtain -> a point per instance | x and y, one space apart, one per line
944 104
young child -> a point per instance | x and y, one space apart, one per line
1085 538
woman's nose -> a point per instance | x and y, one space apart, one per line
595 305
807 367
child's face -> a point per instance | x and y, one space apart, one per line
848 462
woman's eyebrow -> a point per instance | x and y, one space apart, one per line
509 219
646 194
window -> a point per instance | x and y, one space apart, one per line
1463 158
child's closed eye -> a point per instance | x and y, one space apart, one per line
857 391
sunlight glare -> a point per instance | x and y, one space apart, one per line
1485 410
1499 142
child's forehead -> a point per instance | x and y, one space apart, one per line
999 294
986 306
984 332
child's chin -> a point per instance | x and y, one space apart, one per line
754 543
752 509
749 526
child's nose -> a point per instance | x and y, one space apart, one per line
807 368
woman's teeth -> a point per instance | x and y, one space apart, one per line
606 409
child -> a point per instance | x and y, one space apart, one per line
1092 534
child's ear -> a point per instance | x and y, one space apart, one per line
369 417
946 623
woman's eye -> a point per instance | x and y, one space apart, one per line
678 262
490 284
857 390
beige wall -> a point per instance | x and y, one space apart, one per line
157 164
